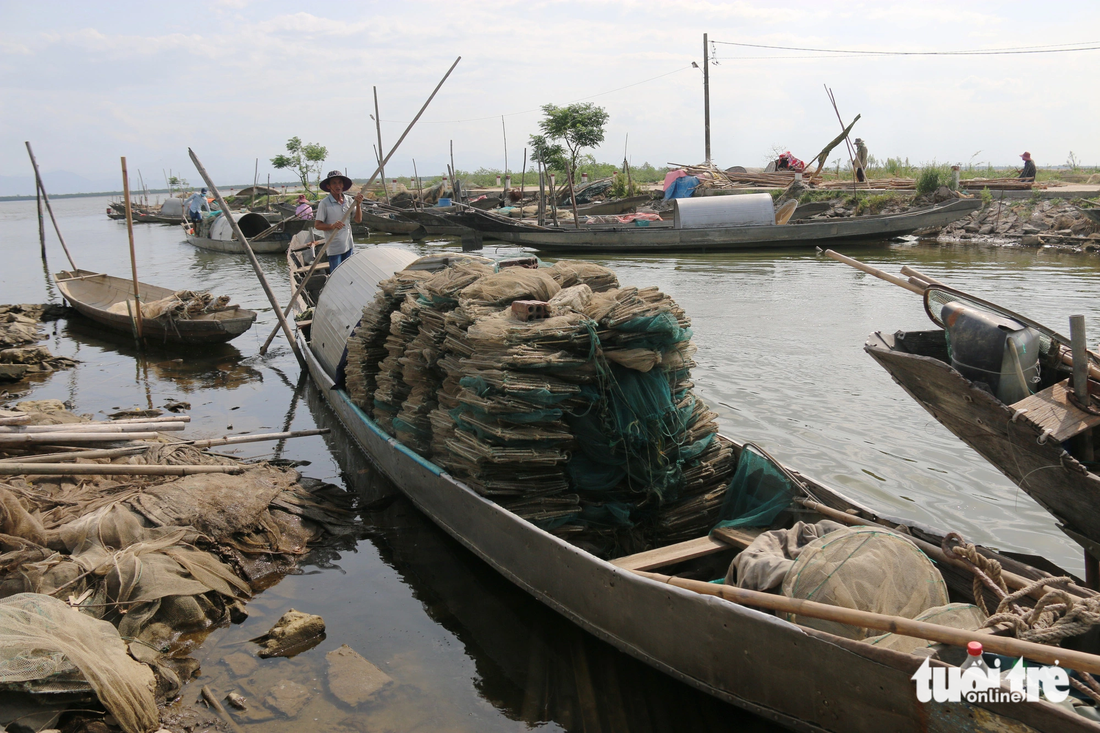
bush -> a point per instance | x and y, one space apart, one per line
929 179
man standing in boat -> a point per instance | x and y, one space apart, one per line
196 204
330 216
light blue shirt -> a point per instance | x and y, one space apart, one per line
197 202
330 212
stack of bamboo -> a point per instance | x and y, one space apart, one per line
74 448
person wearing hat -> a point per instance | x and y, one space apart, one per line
305 209
196 204
330 216
1028 172
861 160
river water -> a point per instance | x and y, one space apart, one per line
780 359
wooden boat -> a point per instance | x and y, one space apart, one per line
109 301
1042 442
795 675
436 222
664 238
216 234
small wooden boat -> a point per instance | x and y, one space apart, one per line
663 238
435 222
110 300
390 222
217 235
691 629
1039 437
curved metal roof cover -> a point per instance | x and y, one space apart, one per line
340 305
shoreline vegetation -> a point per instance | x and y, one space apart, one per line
646 173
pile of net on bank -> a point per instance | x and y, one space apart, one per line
584 422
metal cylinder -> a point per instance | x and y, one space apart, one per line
724 211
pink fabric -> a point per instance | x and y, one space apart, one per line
672 176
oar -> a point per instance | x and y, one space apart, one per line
1007 646
347 215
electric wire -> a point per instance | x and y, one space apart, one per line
1053 48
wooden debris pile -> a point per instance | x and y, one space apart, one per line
19 329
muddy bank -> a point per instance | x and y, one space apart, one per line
20 331
151 564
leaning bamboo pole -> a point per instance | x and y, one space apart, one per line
111 469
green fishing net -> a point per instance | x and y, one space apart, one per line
758 492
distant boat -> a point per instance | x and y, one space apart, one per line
216 234
109 301
668 237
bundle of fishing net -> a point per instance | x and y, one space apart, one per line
965 616
367 344
865 568
436 296
181 304
392 389
598 278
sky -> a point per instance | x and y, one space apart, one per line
87 83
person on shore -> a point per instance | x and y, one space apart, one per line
305 209
1028 171
330 216
196 204
861 160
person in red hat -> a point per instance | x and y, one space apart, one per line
1028 171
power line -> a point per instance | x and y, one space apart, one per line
539 109
1057 48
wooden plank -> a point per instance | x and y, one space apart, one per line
1051 410
722 539
664 556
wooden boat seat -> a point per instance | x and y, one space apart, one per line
720 539
1052 411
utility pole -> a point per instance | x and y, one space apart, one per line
706 94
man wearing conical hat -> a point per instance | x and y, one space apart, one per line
330 216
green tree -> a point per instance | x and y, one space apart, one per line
177 182
577 126
303 159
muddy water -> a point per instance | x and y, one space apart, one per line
780 358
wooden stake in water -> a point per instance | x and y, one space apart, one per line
522 175
136 315
381 150
41 222
46 199
251 258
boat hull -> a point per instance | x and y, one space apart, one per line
93 296
800 678
232 246
637 239
1012 443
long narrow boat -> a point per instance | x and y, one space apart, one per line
801 677
636 239
1038 436
110 301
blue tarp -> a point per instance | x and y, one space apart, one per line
682 188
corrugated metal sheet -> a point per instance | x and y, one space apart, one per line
340 305
709 212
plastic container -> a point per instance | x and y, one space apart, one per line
1001 352
974 658
444 202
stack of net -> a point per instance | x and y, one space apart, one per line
584 423
367 344
436 297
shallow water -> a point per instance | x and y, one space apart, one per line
780 359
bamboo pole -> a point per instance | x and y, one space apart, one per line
91 428
875 271
136 313
162 418
381 150
321 251
220 709
46 199
211 442
1008 646
15 419
522 175
252 258
851 157
573 197
456 187
41 222
101 453
419 205
110 469
31 438
907 270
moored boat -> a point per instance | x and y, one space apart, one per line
788 672
109 301
216 234
797 233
